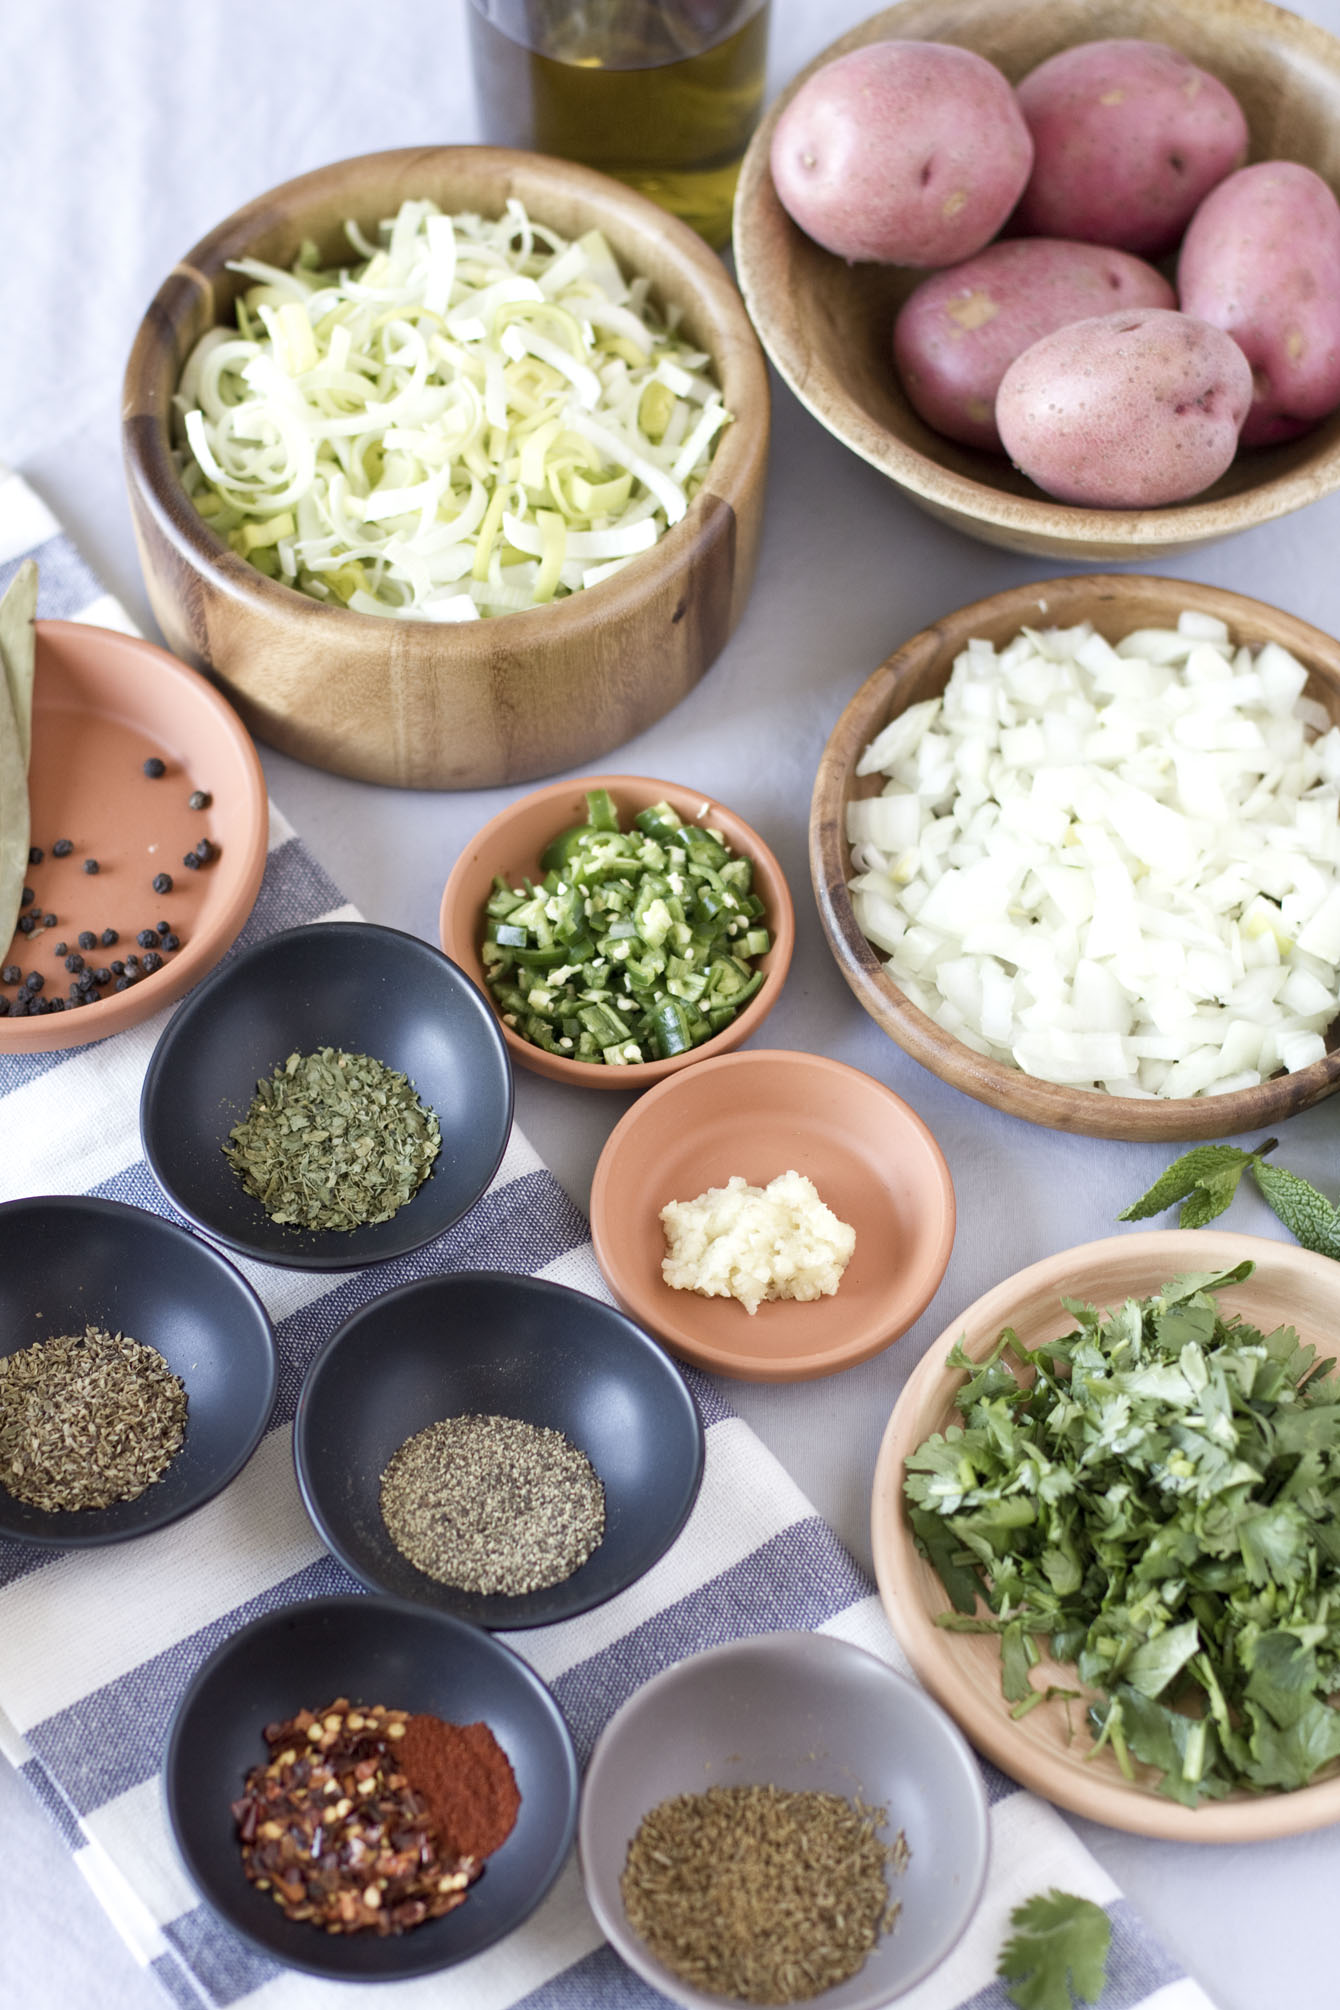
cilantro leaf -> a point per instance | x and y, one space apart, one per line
1059 1944
1307 1214
1205 1178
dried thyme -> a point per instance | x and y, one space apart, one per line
758 1893
492 1504
87 1419
333 1140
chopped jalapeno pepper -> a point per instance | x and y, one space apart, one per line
636 945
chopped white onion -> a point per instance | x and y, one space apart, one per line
1113 866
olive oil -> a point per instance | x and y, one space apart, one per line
663 94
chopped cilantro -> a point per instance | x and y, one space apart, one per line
1059 1944
1155 1498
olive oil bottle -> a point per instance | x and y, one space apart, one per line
664 94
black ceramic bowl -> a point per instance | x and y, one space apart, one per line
373 1650
67 1262
487 1342
336 984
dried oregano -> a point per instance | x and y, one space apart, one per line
333 1140
758 1893
87 1419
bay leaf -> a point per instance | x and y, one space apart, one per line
18 656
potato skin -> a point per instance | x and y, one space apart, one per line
1128 137
1126 411
905 153
1261 260
956 336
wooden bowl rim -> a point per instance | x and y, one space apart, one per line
1091 1112
905 1582
1021 516
150 381
457 930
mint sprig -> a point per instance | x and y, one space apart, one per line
1206 1178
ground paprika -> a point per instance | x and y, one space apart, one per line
467 1780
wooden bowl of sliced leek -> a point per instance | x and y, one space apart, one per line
1105 870
473 498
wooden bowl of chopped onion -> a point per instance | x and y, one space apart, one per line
827 323
1076 849
448 464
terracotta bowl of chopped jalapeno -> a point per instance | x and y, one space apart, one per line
763 1768
137 1371
624 927
334 1096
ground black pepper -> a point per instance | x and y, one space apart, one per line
493 1504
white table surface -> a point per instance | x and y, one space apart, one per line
126 131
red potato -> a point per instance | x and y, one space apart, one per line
1126 411
1128 137
905 153
1261 260
956 336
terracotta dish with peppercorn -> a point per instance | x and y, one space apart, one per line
147 806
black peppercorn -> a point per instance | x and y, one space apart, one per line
87 939
171 941
62 848
199 799
162 928
153 961
132 963
91 865
109 936
84 983
102 975
27 923
153 767
61 949
118 967
162 882
121 984
206 851
74 962
35 854
147 938
34 980
11 974
28 897
19 1009
190 861
50 920
4 1008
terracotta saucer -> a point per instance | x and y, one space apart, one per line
103 704
872 1160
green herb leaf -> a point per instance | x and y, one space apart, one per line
1205 1178
1059 1945
1307 1214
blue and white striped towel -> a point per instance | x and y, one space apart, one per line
96 1646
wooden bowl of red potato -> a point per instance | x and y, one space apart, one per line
1209 434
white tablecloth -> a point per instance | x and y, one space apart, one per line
125 132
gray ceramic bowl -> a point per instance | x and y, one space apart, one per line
804 1712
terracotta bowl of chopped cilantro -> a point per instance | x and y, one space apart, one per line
623 927
1145 1437
513 523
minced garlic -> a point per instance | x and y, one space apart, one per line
753 1242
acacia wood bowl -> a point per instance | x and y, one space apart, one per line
1116 604
828 325
422 704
